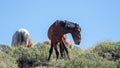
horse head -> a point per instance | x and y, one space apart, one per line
74 29
76 34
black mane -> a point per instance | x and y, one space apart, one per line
67 24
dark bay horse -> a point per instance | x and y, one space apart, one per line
56 32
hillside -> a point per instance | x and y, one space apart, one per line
104 55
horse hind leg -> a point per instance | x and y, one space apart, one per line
61 50
56 51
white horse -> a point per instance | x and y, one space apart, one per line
20 37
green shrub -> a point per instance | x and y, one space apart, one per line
117 47
108 50
6 49
31 56
36 57
105 46
118 63
89 60
7 61
74 52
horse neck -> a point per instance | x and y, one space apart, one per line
69 31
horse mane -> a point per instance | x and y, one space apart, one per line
68 24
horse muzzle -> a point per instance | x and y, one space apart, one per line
77 43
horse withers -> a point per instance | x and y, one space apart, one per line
57 30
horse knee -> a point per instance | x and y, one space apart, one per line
50 51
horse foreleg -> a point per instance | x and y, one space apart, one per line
50 51
66 51
62 50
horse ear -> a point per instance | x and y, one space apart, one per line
78 27
63 24
65 21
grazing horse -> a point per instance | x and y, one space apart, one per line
20 37
66 41
47 42
57 30
30 43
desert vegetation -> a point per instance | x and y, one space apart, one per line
104 54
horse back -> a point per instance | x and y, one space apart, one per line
56 30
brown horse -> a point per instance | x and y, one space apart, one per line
67 42
30 43
57 31
47 42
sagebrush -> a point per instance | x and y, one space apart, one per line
104 55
